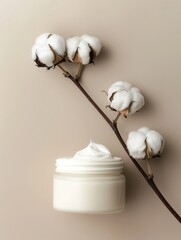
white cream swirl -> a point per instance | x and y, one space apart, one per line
93 151
95 158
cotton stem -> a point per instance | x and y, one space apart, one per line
79 73
65 72
149 180
116 119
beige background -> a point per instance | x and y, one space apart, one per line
43 116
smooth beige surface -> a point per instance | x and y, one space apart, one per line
43 116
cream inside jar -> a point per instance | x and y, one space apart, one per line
92 181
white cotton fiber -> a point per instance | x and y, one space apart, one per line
83 49
48 50
143 140
123 96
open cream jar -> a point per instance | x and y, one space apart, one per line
90 182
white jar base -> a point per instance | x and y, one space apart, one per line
89 194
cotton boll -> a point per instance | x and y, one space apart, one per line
48 50
124 94
136 145
155 142
83 49
145 143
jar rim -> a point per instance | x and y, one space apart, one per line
92 166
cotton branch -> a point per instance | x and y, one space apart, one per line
113 125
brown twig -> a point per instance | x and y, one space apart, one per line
65 72
113 125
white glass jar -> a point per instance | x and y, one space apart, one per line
94 186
